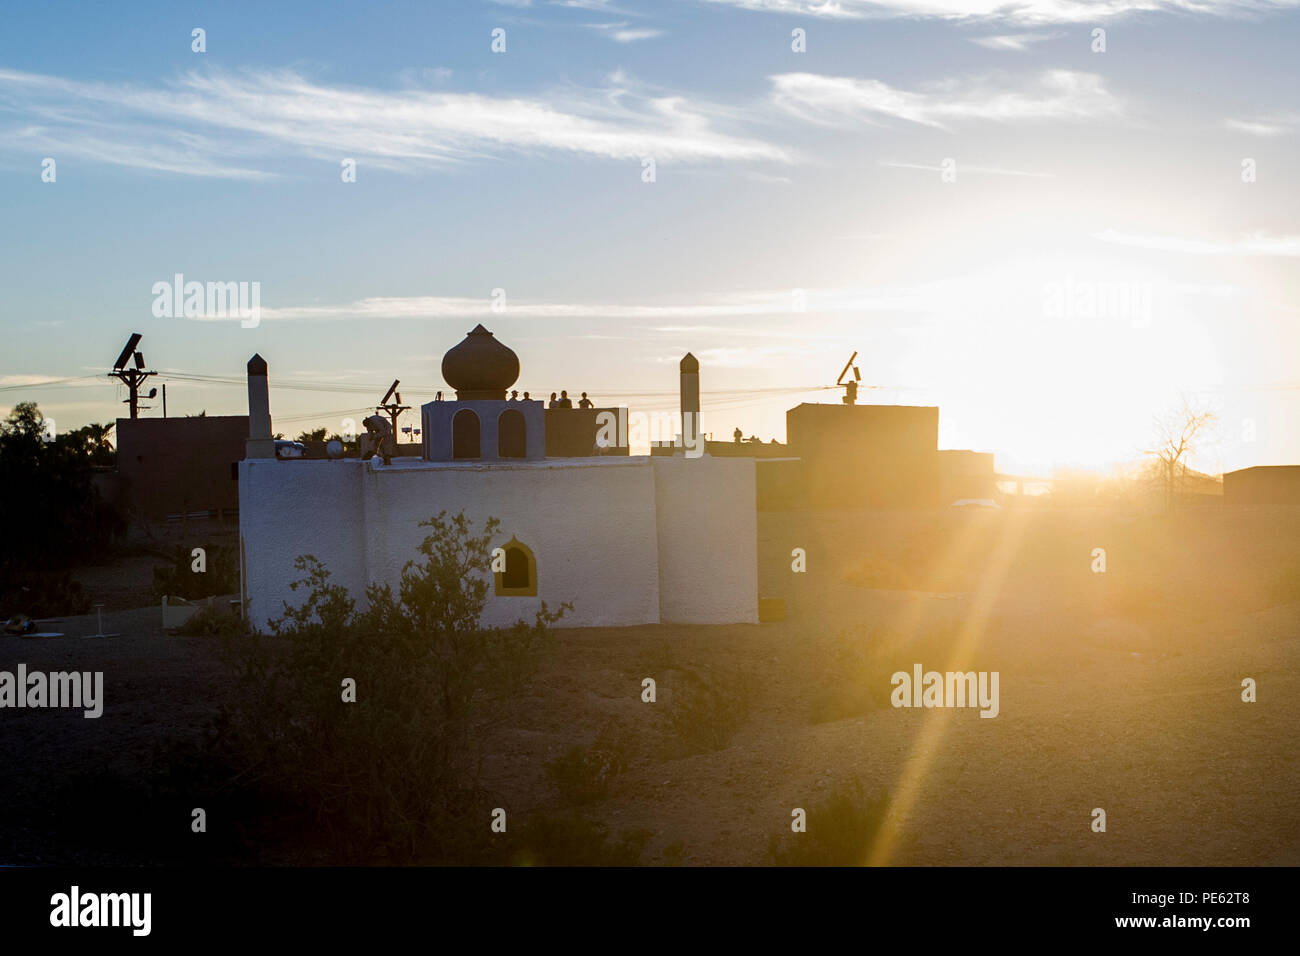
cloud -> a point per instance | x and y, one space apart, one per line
1256 245
847 101
1017 42
1276 124
233 124
961 168
721 305
1026 12
632 35
621 32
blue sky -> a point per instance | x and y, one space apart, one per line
1093 254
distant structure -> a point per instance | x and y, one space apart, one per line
1262 485
628 540
132 378
867 456
180 466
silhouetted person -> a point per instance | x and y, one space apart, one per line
554 403
737 435
586 402
514 396
526 397
565 401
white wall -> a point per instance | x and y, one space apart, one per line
589 522
708 540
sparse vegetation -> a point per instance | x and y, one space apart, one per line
51 513
214 621
582 775
179 579
842 830
392 776
707 708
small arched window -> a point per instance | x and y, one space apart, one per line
519 579
465 435
512 435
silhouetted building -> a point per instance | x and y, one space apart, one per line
867 456
180 465
1263 485
966 474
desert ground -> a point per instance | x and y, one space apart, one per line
1119 690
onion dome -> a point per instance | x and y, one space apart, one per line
480 367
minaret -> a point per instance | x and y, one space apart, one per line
260 444
690 369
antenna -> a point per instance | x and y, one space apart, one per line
133 378
850 388
394 409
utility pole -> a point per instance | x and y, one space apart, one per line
394 408
133 378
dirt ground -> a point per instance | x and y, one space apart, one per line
1119 690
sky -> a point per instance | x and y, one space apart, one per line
1054 234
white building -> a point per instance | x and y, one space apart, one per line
626 540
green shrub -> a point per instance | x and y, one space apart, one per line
178 579
841 830
391 777
582 774
214 621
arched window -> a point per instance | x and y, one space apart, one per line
519 579
512 435
465 435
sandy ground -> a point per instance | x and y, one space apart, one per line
1126 698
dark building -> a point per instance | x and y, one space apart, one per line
867 456
179 465
1263 485
572 432
966 474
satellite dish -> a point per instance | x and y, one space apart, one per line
334 448
153 393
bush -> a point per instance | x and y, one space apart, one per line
214 621
583 774
179 579
391 777
841 830
707 710
41 594
51 512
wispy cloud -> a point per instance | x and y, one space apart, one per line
720 305
1256 245
845 101
963 169
1017 42
236 124
1010 11
623 32
1274 124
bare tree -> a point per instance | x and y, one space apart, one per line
1178 435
